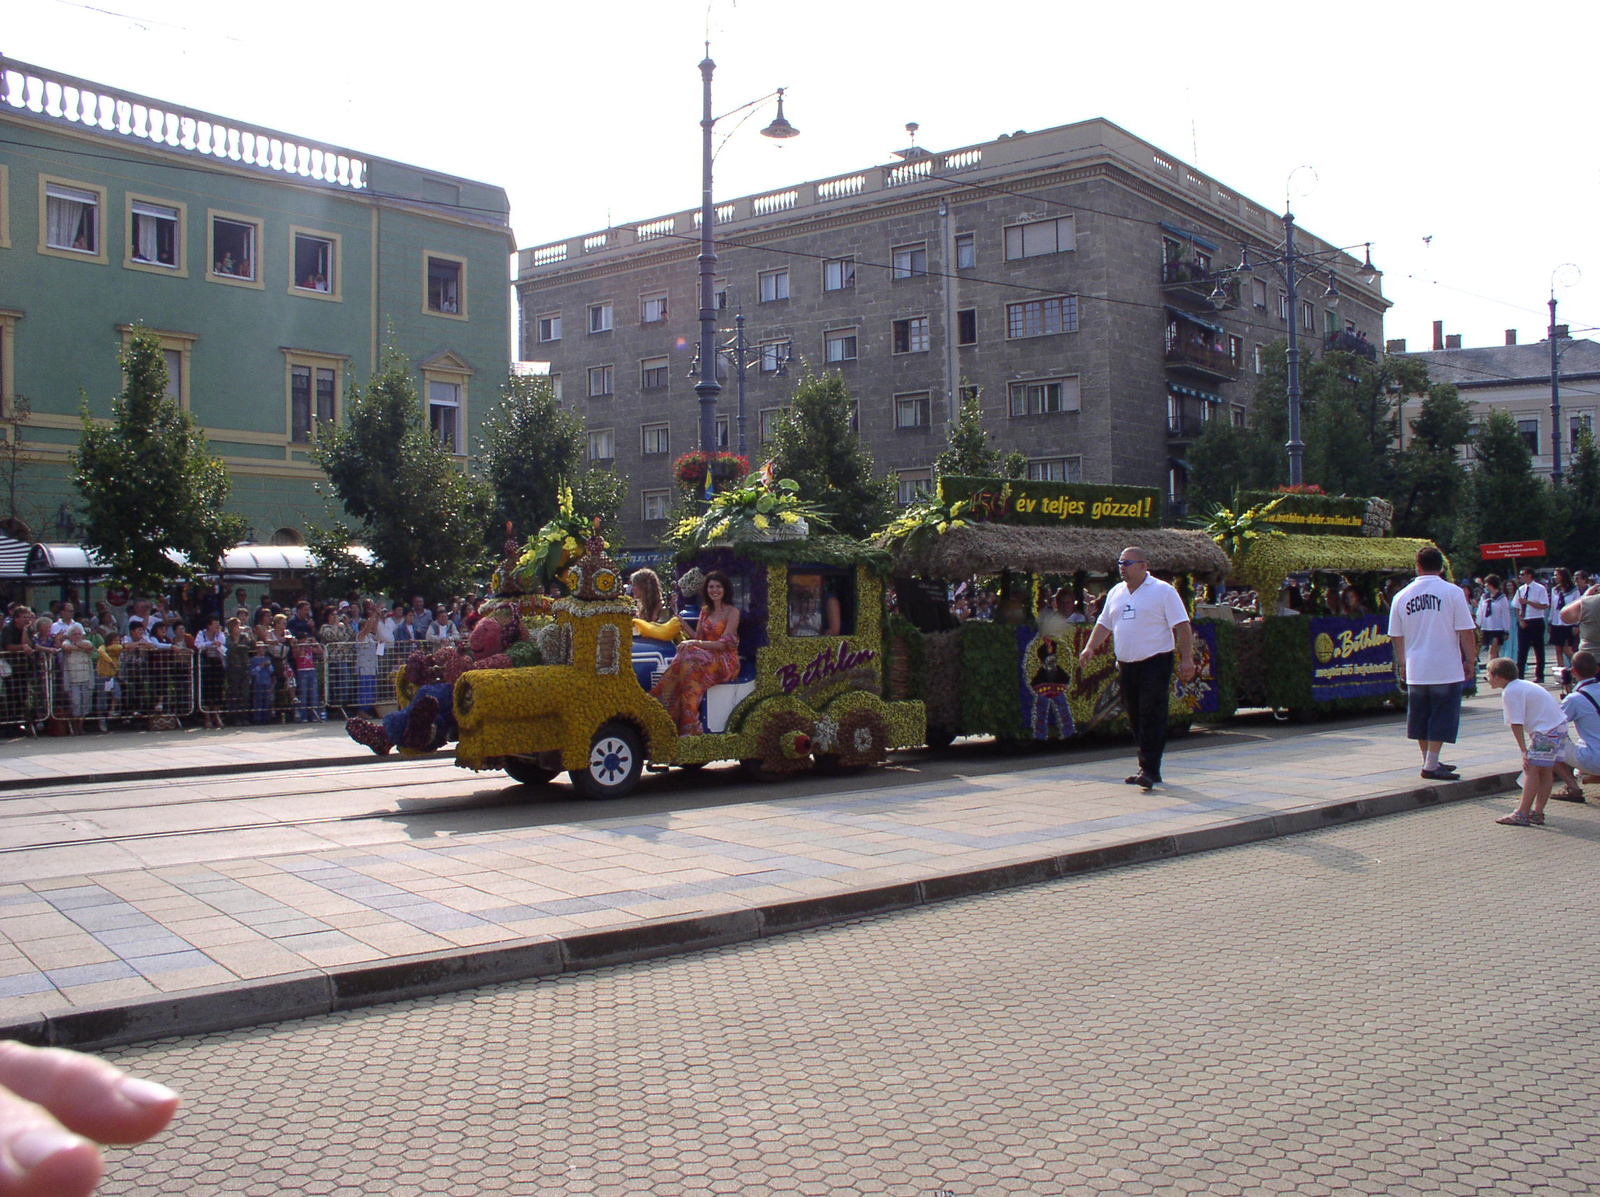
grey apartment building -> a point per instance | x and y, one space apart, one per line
1070 275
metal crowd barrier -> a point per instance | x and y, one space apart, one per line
270 683
27 686
150 682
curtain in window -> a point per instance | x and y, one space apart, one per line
69 219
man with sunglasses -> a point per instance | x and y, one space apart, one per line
1145 618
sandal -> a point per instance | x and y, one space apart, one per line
1536 818
1515 819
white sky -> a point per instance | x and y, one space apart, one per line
1456 123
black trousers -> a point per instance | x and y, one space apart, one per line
1530 635
1146 691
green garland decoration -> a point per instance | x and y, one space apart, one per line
1225 668
989 664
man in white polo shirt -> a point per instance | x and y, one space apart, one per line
1143 615
1435 651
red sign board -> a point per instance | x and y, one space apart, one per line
1512 548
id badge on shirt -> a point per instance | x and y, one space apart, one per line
1128 612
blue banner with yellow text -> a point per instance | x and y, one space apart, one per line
1351 658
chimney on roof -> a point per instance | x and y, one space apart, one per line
1511 336
1453 341
1438 334
1561 332
1395 345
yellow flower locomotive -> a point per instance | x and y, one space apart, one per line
809 692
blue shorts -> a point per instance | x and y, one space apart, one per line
1433 712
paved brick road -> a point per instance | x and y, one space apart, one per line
1398 1006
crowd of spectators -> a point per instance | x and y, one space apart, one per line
211 656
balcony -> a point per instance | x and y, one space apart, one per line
1186 353
1348 342
1185 426
1194 282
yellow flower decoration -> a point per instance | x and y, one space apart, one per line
762 522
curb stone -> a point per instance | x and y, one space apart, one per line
84 779
319 992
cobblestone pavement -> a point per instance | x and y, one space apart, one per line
1392 1007
127 908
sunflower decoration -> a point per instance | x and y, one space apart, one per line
766 507
928 517
556 545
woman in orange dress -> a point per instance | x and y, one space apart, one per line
708 661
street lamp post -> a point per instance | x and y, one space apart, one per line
708 388
1568 274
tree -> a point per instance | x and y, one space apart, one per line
14 456
1225 459
968 452
1578 501
813 444
147 482
1506 500
530 445
1431 479
412 505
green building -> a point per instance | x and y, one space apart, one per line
274 270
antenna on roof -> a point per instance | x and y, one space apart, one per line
913 150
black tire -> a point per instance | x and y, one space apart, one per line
525 772
940 738
829 765
616 762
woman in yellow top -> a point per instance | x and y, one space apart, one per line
655 621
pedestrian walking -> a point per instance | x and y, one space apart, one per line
1532 605
1435 651
1494 615
1145 619
1540 728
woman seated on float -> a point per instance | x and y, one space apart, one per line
709 660
812 610
654 621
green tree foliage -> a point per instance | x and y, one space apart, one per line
969 452
147 482
530 445
1505 499
814 445
1431 480
1578 505
407 498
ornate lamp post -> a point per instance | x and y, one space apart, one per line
708 388
1567 275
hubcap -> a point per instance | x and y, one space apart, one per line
610 761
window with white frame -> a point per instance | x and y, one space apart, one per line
173 360
603 444
839 345
912 485
555 386
1055 469
1042 317
550 327
1283 305
767 423
653 308
722 432
774 356
153 234
233 248
444 413
600 317
1237 414
72 219
314 263
838 274
911 410
1236 350
653 372
1308 316
1039 238
446 286
719 293
599 381
654 438
966 251
1258 293
774 285
911 335
1044 396
656 504
1255 359
908 261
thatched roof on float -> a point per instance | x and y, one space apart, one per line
1269 559
980 549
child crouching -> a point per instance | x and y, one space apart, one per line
1540 728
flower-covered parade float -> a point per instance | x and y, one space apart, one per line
805 690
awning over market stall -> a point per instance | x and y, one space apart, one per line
984 548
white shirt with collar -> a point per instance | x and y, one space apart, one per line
1141 621
1533 601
